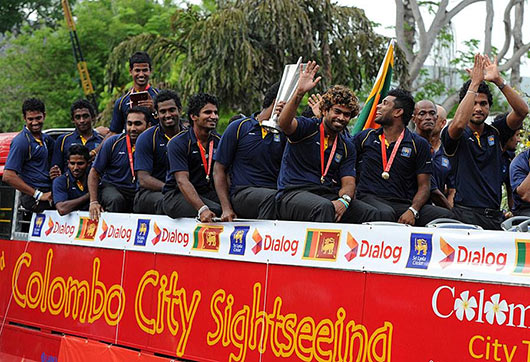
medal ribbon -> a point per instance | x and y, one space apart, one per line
388 164
323 171
130 154
207 166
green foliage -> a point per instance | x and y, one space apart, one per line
39 62
14 14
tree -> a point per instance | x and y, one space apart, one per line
417 41
240 49
16 13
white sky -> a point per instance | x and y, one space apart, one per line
468 24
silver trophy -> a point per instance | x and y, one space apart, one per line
290 76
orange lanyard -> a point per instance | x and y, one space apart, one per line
323 171
130 154
387 164
207 165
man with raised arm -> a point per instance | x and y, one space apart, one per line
317 176
189 189
395 165
150 157
252 156
476 147
114 167
28 163
70 190
83 116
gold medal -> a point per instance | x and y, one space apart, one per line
207 178
322 180
385 175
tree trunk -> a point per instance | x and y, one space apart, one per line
515 76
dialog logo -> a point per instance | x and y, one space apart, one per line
274 243
472 255
353 245
420 251
142 230
321 244
38 223
238 240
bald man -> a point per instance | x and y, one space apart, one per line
429 125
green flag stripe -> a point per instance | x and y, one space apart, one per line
521 257
308 242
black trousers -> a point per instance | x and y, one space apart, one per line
114 199
315 205
255 203
29 203
175 204
148 202
522 212
391 209
487 218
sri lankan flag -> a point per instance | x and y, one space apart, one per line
379 91
321 244
207 237
522 258
87 229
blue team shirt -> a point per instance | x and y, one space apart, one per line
507 158
151 153
31 159
441 169
477 165
64 142
121 107
519 169
65 188
252 160
301 158
112 163
184 155
413 157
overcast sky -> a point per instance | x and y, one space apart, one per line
468 24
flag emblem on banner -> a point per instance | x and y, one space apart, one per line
353 245
449 252
87 229
105 228
207 237
37 226
50 226
258 240
379 91
522 258
420 251
321 244
238 240
142 230
157 232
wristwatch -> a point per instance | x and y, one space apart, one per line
346 198
414 212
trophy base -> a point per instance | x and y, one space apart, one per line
271 126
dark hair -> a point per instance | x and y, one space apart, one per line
198 101
80 150
166 95
142 110
342 96
139 57
482 88
80 104
403 100
33 104
270 95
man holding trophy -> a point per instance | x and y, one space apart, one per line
317 176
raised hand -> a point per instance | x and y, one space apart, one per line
491 70
307 79
477 72
314 102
